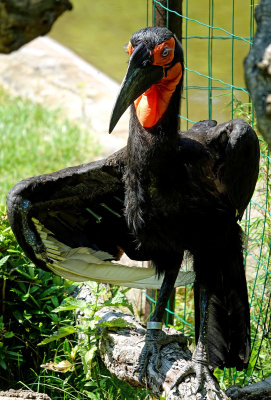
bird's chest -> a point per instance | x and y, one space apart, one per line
164 196
153 208
153 189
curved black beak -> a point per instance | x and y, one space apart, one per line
138 79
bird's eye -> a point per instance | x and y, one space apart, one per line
165 51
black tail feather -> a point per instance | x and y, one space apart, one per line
228 331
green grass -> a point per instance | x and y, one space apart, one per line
34 141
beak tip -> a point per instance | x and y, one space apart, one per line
111 127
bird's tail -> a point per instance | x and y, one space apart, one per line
228 323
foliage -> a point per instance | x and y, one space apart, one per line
34 140
95 381
36 303
28 297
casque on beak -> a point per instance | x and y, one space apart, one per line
138 79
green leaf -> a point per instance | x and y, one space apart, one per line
8 335
118 301
87 358
92 396
48 292
23 273
23 287
74 351
27 315
89 355
55 301
116 323
25 297
16 291
31 271
3 364
90 384
62 332
18 315
71 304
4 260
55 318
33 289
67 346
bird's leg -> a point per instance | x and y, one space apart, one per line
155 337
200 358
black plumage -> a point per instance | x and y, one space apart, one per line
165 193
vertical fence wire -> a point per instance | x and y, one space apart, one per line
186 62
232 61
210 58
205 38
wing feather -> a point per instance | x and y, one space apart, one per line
72 222
84 264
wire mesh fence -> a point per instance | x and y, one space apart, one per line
216 37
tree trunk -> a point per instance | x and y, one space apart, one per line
258 69
23 20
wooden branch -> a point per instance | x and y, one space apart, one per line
260 390
23 395
21 21
120 350
258 69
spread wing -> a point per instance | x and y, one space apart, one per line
72 222
227 156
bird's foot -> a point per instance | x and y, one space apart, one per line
199 367
154 340
202 372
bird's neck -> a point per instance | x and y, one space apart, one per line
152 104
152 157
157 144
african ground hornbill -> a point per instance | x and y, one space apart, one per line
165 193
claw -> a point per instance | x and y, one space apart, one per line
155 339
153 342
199 367
202 372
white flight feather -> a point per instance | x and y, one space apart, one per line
84 264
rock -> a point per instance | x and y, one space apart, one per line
46 72
24 20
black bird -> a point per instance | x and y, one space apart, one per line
165 193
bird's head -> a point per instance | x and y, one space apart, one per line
154 73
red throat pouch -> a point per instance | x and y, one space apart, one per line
152 104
